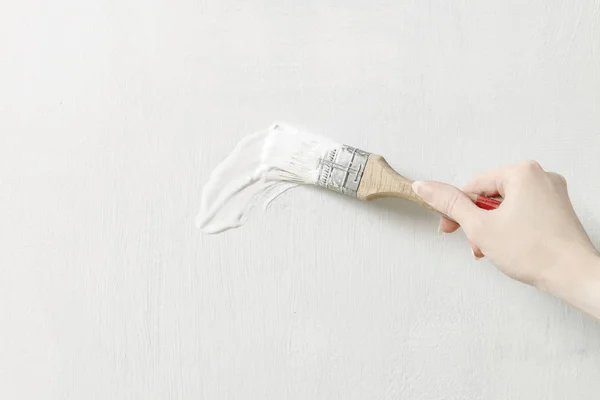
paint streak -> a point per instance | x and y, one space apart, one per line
259 169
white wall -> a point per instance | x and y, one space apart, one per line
112 114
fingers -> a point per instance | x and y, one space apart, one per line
459 210
448 200
448 226
452 202
493 183
490 184
477 253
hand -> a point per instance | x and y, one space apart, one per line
534 236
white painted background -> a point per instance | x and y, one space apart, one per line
113 113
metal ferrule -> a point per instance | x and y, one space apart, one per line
342 169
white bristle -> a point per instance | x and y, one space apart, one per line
261 167
292 155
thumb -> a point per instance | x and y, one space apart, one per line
447 199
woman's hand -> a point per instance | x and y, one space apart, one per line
534 236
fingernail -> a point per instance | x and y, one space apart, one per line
474 256
422 189
440 231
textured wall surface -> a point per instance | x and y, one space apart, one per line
113 113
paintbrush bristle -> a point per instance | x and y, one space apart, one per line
266 164
293 155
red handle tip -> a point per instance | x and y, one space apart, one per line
486 203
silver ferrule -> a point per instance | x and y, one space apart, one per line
342 169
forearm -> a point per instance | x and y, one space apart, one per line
579 284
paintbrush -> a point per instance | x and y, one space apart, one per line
366 176
265 164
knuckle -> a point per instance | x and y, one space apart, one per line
451 204
558 178
531 165
527 170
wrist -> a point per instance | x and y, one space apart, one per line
576 279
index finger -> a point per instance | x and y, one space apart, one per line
493 183
489 184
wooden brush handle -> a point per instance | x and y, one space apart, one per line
380 180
